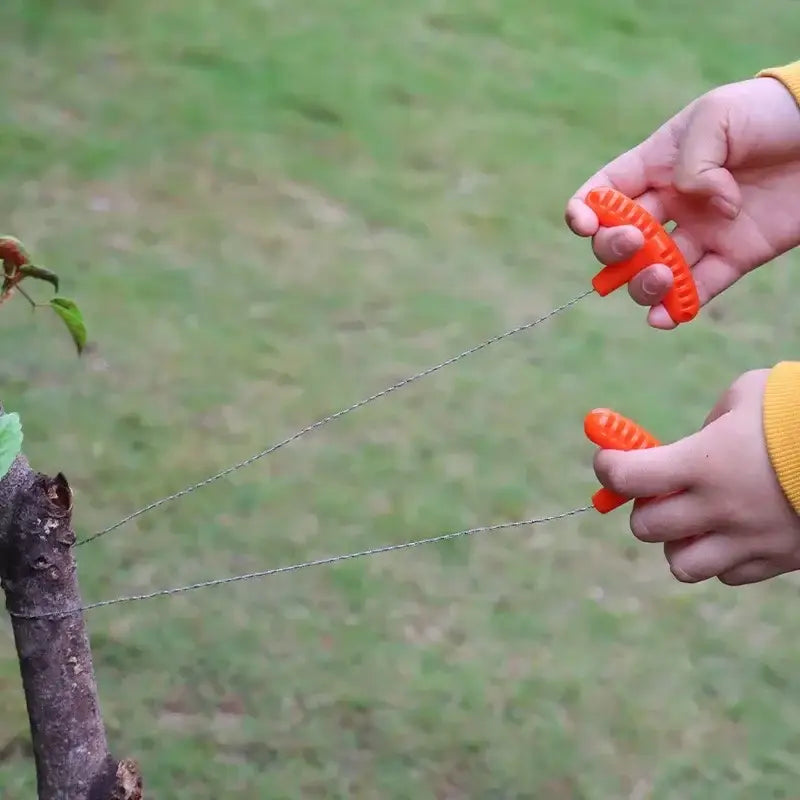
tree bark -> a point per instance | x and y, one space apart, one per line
39 577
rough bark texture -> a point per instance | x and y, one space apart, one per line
38 575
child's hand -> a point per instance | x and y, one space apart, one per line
730 518
726 170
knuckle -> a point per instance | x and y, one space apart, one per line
688 180
712 107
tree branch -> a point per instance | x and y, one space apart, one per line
39 576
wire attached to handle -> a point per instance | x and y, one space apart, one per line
612 208
332 417
391 548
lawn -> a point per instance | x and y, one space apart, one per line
268 209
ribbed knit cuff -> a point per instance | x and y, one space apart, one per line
782 427
788 75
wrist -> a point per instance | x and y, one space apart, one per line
781 420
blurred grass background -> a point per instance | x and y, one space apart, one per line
268 209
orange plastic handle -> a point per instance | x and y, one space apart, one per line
614 208
612 431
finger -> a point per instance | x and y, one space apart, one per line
627 174
658 317
667 519
650 286
629 171
702 154
656 471
622 241
610 245
647 289
708 556
580 218
755 571
712 275
583 221
653 202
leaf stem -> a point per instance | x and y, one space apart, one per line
33 303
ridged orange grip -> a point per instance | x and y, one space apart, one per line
612 431
614 208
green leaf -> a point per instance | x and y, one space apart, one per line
10 441
40 273
73 319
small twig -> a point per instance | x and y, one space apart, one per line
33 303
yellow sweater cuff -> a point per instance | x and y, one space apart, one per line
788 75
782 427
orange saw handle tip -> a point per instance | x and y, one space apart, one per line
611 431
613 208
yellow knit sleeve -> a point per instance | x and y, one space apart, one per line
782 427
788 75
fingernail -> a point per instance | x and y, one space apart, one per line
651 285
725 207
618 247
682 575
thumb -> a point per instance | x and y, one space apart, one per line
702 154
655 471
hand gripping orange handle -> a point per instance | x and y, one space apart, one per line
612 431
614 208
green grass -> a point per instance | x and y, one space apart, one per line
270 209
